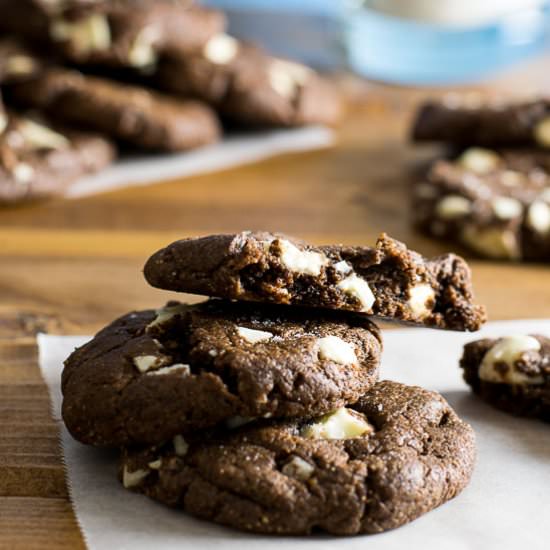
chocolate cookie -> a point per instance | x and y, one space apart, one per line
496 203
129 113
119 33
388 280
511 373
153 374
251 87
395 455
38 160
474 120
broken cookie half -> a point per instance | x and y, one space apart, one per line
387 280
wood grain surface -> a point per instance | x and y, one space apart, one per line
71 266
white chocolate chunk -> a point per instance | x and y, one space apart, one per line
3 122
165 314
180 445
39 136
542 132
421 300
506 208
478 160
286 77
132 479
23 172
19 65
185 370
253 336
142 52
298 468
237 421
538 217
301 261
340 424
511 178
221 49
545 195
359 289
155 464
343 267
453 207
335 349
492 242
509 350
85 35
145 362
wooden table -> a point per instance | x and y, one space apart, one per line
71 266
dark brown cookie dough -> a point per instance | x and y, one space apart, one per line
397 454
116 33
387 280
129 113
250 87
38 160
511 373
488 122
151 375
496 203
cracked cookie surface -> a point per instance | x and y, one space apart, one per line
412 455
153 374
388 280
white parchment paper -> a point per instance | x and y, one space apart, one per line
506 506
234 150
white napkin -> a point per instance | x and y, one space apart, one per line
232 151
506 505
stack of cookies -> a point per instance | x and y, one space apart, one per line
261 408
158 75
491 192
